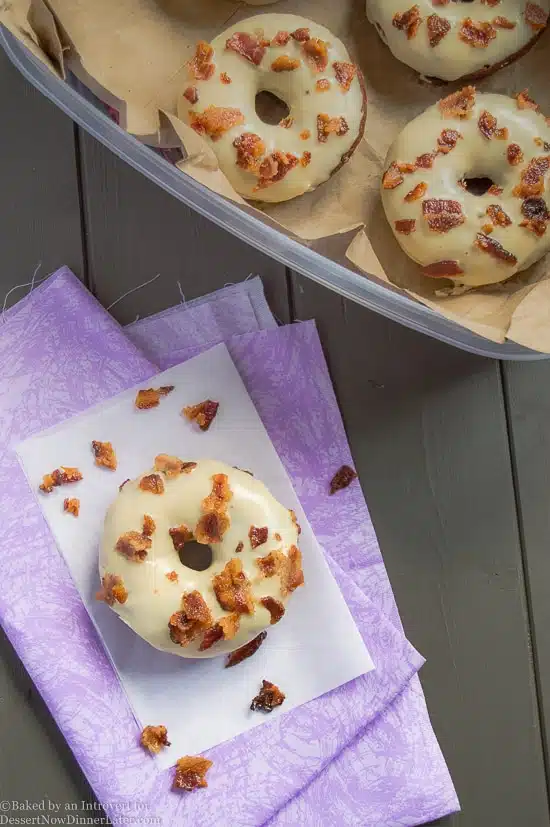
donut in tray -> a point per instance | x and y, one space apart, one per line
305 67
255 567
466 187
447 40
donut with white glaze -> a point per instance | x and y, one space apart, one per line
306 67
448 40
256 563
439 221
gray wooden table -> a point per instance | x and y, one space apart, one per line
453 453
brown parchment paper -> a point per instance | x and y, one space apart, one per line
133 53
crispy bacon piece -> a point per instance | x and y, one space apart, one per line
225 79
154 738
438 28
72 506
239 547
327 126
494 248
152 483
272 564
225 629
274 607
495 190
173 466
322 85
104 454
215 121
191 621
281 39
537 215
191 94
535 16
406 226
287 122
392 178
305 160
478 35
418 192
180 536
316 53
408 21
287 567
150 397
275 167
112 589
342 479
514 154
301 35
250 150
284 63
525 101
232 588
268 698
220 496
458 104
258 536
200 67
211 527
487 229
443 269
442 214
425 161
498 216
295 520
203 413
532 178
61 476
448 140
345 73
149 526
172 576
245 651
248 46
134 546
487 124
190 773
503 23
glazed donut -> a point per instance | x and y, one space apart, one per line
256 563
453 41
466 139
307 68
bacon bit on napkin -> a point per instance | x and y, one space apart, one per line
268 698
150 397
61 476
104 454
72 506
154 738
342 478
190 773
245 651
203 413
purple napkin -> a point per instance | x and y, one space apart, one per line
62 353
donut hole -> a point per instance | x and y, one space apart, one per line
270 108
479 185
195 556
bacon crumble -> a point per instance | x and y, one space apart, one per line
202 414
154 738
258 536
274 607
448 140
150 397
211 528
478 35
425 161
225 79
245 651
215 121
274 168
442 214
443 269
305 160
537 216
536 17
104 455
494 248
295 521
134 546
191 621
532 178
233 589
173 466
438 28
250 149
406 226
408 21
316 53
72 506
152 483
172 576
239 547
190 773
284 63
225 629
301 35
392 178
525 101
345 73
327 126
495 190
149 526
269 697
342 479
322 85
191 94
487 124
503 23
112 589
288 568
458 104
514 154
247 46
281 39
201 67
61 476
498 216
287 122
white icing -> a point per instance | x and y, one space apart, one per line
152 598
452 58
474 156
297 89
